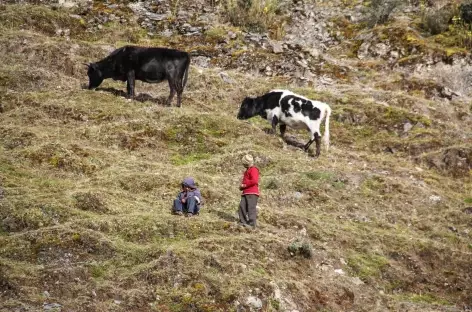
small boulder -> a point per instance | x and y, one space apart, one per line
407 127
52 306
276 47
254 303
363 51
232 35
226 78
434 198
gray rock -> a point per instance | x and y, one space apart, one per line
156 17
407 127
434 198
339 271
357 281
394 54
298 195
67 3
276 47
167 33
51 306
201 61
314 52
194 29
381 49
254 302
232 35
445 92
302 63
363 51
75 16
226 78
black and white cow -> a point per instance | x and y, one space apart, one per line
289 109
151 65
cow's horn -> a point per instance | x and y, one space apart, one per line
88 65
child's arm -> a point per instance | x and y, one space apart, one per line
183 197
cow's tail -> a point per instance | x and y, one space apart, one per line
185 77
326 132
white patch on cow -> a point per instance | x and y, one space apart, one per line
273 112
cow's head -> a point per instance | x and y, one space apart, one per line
248 108
95 76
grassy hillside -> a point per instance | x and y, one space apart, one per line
87 179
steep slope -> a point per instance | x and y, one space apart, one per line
380 222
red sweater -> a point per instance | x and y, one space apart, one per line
251 181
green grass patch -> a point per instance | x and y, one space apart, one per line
367 266
98 270
319 175
424 298
180 160
39 18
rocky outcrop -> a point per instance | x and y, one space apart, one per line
454 161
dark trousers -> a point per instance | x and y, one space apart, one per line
190 205
248 210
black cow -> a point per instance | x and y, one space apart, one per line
289 109
151 65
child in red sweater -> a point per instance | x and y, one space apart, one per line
250 193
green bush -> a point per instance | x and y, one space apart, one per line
90 202
380 10
437 21
255 15
301 247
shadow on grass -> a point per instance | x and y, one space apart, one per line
141 97
289 140
225 216
293 142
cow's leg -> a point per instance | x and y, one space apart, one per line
130 83
283 128
275 121
180 90
179 98
318 143
172 93
308 144
316 138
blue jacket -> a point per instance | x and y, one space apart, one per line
193 193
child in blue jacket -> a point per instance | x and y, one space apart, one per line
189 200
